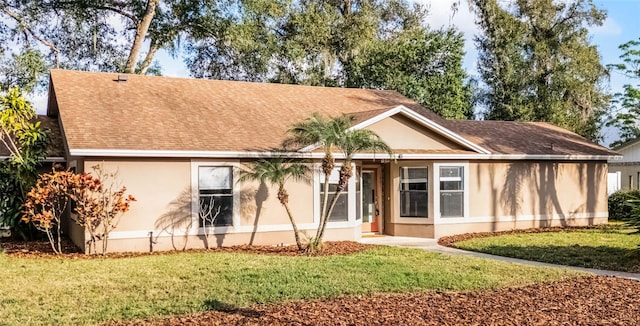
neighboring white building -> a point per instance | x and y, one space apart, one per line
624 174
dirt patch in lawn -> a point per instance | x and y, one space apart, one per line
450 240
593 300
42 249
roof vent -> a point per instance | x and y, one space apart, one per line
122 78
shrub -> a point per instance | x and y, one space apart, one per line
620 209
99 202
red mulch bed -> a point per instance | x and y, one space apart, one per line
450 240
592 300
42 249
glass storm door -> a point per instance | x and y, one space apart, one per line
370 209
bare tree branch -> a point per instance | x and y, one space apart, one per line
28 29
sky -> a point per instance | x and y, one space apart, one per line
622 25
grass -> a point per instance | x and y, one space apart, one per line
612 248
68 291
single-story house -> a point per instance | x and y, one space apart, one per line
179 142
624 174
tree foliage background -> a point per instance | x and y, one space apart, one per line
538 64
381 44
626 116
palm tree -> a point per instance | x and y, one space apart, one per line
331 134
352 142
277 172
325 133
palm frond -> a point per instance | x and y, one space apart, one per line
276 171
361 140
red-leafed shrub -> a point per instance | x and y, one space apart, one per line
98 204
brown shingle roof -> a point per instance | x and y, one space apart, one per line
181 114
161 113
55 146
533 138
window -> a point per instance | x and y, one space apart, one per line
451 191
413 192
215 185
340 211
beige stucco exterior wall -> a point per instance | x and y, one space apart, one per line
165 189
629 174
507 195
260 204
562 190
162 189
401 133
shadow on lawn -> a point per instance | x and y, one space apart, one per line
600 257
216 305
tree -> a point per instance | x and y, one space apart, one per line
22 70
26 143
331 134
363 44
538 64
420 64
626 119
277 172
106 35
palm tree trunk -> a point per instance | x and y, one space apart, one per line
345 174
328 164
283 196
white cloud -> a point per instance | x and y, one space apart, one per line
609 28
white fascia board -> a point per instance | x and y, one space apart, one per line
413 115
484 157
361 156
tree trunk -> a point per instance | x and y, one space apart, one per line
283 196
141 32
149 57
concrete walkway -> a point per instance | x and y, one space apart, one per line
432 245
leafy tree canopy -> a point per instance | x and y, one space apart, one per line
627 115
538 64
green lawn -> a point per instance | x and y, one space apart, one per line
68 291
612 248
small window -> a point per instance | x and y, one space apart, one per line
413 192
451 191
215 185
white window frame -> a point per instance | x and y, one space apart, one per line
195 198
438 219
318 179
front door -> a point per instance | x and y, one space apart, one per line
370 205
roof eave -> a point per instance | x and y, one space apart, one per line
338 155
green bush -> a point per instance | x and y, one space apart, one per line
619 207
